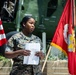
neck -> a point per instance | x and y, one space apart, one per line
25 33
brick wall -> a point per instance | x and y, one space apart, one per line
58 67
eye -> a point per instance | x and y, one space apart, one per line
30 22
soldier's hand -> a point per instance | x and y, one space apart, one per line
25 52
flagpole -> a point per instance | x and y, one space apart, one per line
46 59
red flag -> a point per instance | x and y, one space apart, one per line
2 35
64 38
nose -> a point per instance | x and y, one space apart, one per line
33 25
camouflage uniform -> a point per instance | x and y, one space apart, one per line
17 42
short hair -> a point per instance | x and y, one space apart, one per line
24 20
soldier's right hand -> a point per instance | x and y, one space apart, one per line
25 52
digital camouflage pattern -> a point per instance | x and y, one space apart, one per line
16 42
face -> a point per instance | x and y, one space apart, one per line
29 26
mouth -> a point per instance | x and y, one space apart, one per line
32 29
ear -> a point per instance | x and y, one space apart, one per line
24 25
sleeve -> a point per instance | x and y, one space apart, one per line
10 45
41 45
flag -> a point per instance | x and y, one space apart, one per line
2 35
64 37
